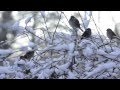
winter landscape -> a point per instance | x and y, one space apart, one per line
60 45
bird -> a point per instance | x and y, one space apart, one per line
86 34
28 55
111 35
74 23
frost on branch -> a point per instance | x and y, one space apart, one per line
63 56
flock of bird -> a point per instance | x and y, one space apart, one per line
74 23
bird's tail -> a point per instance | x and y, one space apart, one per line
117 37
81 29
82 38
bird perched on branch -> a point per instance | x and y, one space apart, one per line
111 35
74 23
86 34
28 55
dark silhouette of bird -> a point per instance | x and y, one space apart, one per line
111 35
74 23
27 71
86 34
28 55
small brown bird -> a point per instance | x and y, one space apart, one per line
74 23
111 35
28 55
86 34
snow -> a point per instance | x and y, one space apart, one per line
2 76
71 75
23 48
34 71
87 52
92 64
31 44
5 53
86 19
21 62
19 75
54 58
28 20
6 70
100 68
101 52
16 25
29 29
71 47
43 13
60 47
8 51
30 64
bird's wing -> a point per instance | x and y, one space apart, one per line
84 34
76 22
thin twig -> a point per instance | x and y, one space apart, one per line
56 27
98 31
46 25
